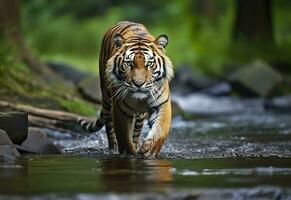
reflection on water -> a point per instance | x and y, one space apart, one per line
134 175
92 174
70 174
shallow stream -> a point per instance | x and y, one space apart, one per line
245 154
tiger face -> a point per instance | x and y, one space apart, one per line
139 67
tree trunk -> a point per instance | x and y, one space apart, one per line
253 21
10 29
207 9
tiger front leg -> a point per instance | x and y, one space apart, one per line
123 127
160 123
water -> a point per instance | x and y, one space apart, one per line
68 174
223 154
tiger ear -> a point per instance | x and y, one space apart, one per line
162 41
118 40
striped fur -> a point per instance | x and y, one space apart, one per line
134 74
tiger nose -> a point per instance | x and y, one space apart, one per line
138 83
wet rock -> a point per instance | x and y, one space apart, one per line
67 72
38 142
187 81
8 152
15 124
255 79
219 89
4 139
7 149
90 88
256 193
202 104
176 109
279 104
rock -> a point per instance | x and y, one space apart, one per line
219 89
176 109
90 89
15 124
7 149
38 142
279 104
187 81
255 79
203 104
8 152
4 139
67 72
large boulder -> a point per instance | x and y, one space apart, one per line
187 81
15 124
38 142
4 139
7 150
255 79
67 72
90 88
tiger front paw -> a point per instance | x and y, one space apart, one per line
150 148
113 147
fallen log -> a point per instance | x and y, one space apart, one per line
46 113
53 119
41 122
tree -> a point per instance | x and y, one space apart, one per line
253 21
10 29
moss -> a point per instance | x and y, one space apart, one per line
19 85
79 107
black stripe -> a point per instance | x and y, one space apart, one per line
139 121
164 66
112 137
159 79
162 102
127 106
116 70
125 113
159 61
126 27
105 49
159 95
159 73
138 127
106 106
133 49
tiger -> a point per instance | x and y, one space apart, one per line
134 78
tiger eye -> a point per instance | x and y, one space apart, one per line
150 63
129 63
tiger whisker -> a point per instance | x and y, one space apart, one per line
153 97
116 93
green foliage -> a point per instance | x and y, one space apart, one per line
71 31
78 106
18 84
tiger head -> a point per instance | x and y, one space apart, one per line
139 67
